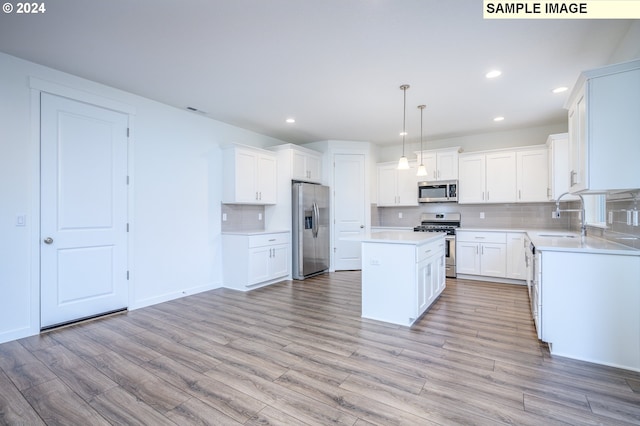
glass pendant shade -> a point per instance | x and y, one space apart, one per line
422 170
403 163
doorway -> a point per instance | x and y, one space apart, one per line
349 209
83 210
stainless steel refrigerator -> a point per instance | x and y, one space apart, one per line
310 229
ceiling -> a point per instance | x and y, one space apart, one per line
333 65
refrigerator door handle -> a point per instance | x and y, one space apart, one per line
316 217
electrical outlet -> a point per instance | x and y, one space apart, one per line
224 217
481 215
259 216
400 215
635 218
610 217
555 214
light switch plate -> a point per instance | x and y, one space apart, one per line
224 217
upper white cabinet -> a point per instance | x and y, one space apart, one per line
300 163
504 176
249 175
604 107
441 164
532 168
397 187
487 177
558 146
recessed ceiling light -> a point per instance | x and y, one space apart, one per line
403 133
498 118
290 120
493 74
560 89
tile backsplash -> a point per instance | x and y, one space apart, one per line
242 217
618 229
515 216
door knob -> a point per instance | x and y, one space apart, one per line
48 240
361 226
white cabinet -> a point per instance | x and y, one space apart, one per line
603 111
481 253
558 145
487 177
401 281
252 261
397 187
249 175
591 310
532 175
516 266
305 165
440 164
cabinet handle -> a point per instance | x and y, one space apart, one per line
479 238
487 195
482 251
572 175
434 174
477 250
519 194
427 251
482 195
257 196
438 173
272 239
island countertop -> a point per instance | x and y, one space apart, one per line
397 237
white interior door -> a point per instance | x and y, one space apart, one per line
83 255
349 209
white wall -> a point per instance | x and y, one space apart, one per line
176 185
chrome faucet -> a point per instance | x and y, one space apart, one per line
583 227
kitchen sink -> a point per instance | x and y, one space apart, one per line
557 235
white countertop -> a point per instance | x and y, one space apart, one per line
254 232
397 237
572 242
559 240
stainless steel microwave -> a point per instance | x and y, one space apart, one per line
444 191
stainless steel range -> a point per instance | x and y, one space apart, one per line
443 222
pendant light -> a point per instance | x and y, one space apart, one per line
403 163
422 170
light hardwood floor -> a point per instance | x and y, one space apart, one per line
299 353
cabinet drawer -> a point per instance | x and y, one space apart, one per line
427 250
268 239
481 237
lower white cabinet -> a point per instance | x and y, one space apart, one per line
481 253
255 260
591 310
516 267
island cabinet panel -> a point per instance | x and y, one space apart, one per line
401 281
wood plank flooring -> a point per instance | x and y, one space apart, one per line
298 353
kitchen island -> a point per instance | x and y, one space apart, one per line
403 273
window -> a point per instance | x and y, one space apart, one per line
595 208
